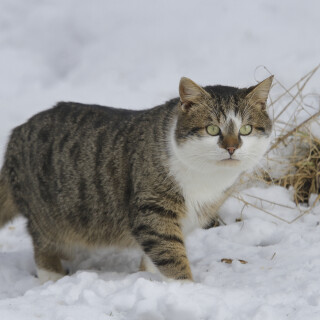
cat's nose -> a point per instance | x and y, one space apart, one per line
231 150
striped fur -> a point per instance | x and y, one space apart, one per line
99 176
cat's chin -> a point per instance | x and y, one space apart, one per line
229 162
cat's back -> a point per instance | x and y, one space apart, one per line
69 123
66 115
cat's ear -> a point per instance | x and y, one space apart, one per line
189 93
258 94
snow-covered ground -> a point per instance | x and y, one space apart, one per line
132 54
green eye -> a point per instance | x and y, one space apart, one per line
245 130
213 130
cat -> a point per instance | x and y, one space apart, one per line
93 176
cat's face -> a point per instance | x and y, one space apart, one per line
222 126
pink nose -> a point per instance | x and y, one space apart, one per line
231 150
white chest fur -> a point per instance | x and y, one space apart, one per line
201 191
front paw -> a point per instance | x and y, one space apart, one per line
212 224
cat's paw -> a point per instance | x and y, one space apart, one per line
213 223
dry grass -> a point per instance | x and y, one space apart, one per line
293 159
303 173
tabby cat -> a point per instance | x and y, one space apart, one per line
98 176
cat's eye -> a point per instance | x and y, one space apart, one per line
246 129
213 130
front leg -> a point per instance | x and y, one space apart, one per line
159 234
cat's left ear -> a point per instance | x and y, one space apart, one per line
258 94
190 93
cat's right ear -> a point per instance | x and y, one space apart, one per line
189 93
258 94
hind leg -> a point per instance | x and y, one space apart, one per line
47 256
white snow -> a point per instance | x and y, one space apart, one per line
132 54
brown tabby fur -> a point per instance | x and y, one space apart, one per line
98 176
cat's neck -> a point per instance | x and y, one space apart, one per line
202 188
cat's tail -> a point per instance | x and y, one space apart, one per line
8 209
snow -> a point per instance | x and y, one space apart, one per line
132 54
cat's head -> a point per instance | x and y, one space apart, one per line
221 125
